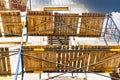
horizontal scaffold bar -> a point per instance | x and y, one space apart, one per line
71 48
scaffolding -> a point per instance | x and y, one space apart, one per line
59 56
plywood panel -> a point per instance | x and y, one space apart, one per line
40 22
11 22
91 24
79 58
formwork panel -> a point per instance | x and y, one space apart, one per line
69 58
40 22
33 64
66 24
11 22
91 24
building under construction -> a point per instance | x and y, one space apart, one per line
57 41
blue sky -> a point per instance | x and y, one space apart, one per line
91 5
102 5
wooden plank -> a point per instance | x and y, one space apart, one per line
56 8
79 60
3 64
67 57
12 42
71 58
64 57
58 60
0 64
75 56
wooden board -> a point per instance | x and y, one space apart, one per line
91 24
104 55
18 4
5 68
40 22
56 8
11 22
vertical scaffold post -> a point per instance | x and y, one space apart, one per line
26 25
18 62
117 30
20 59
22 65
30 2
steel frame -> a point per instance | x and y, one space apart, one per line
74 68
113 29
114 32
104 35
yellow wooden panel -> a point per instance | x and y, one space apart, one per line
56 8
